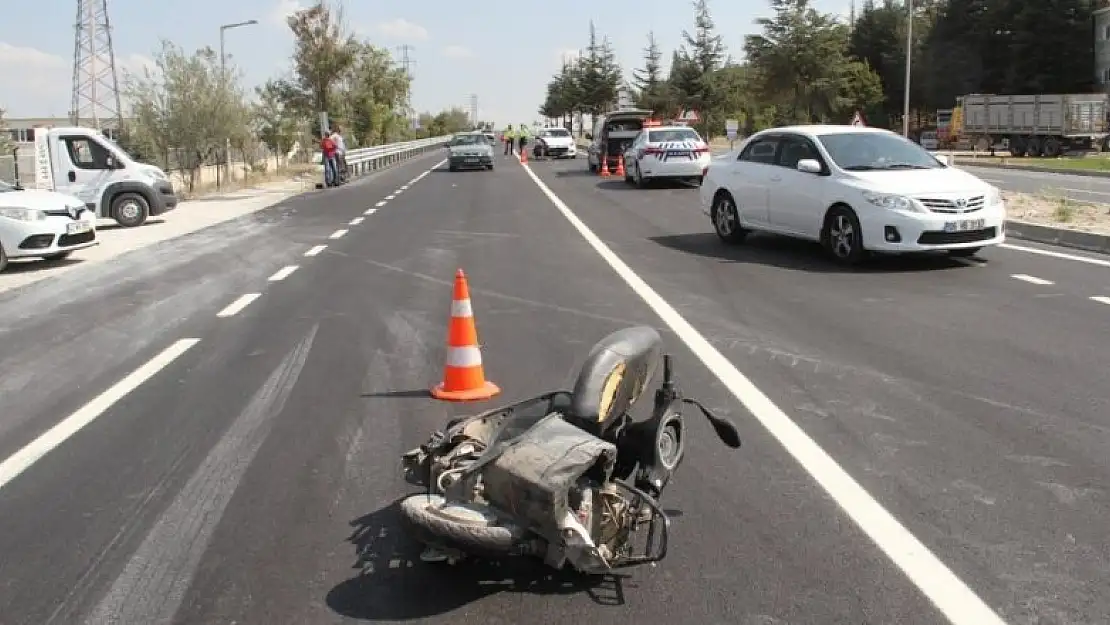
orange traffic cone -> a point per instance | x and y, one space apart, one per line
620 167
604 166
524 155
464 378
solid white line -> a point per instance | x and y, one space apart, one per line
370 211
21 460
356 221
283 273
391 197
380 204
338 234
1101 299
399 191
404 187
1062 255
948 593
1031 279
234 308
316 250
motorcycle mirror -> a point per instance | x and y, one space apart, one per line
725 429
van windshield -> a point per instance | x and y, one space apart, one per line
118 148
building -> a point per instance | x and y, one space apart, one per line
1102 47
21 131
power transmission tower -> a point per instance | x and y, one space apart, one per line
407 63
95 81
474 110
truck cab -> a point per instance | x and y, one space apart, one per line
84 163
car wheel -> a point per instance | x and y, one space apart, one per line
452 168
58 256
593 168
3 258
726 219
964 252
843 237
130 210
641 182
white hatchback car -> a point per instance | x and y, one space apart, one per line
42 224
853 189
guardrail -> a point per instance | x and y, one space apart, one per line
365 160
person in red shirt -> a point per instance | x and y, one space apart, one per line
329 150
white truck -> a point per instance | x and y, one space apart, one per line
1036 125
84 163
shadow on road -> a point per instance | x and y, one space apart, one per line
618 184
153 221
394 585
34 265
407 393
798 255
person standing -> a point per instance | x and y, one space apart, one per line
508 137
522 140
327 154
340 153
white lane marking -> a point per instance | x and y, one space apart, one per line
391 197
399 191
380 204
234 308
21 460
338 234
1084 191
370 211
283 273
1031 279
1101 299
949 594
152 585
1062 255
356 221
316 250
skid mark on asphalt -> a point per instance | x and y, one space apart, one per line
153 584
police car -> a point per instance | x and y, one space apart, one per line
666 152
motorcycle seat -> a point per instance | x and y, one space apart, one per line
614 375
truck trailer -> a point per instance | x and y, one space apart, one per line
1036 125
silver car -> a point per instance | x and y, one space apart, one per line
469 150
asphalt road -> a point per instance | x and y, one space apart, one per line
249 475
1081 188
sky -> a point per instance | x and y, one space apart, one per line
504 53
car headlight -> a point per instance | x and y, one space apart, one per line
891 202
20 213
994 197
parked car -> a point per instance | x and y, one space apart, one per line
855 190
42 224
667 152
554 143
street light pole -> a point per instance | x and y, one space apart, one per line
223 77
909 63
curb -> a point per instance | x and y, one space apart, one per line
1089 173
1063 237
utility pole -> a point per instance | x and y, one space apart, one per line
407 63
95 81
909 63
225 83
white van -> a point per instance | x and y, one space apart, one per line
85 164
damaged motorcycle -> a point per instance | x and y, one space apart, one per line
567 477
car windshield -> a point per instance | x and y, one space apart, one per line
673 134
556 132
876 151
469 140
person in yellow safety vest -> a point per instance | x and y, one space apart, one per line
522 139
508 135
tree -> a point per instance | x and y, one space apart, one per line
804 67
5 142
703 53
185 109
375 91
653 91
599 76
278 126
323 54
445 123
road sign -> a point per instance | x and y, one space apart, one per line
732 126
857 119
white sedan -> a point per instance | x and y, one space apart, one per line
42 224
673 152
853 189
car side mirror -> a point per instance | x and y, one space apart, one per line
809 166
942 159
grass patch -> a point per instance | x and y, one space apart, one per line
1077 163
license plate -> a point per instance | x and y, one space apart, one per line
964 225
682 154
472 160
79 227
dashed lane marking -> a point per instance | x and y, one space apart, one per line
283 273
234 308
316 249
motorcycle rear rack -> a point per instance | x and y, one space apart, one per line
656 548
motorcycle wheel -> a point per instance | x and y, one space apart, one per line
467 527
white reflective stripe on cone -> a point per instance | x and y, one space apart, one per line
461 308
464 356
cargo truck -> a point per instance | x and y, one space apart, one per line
1035 125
